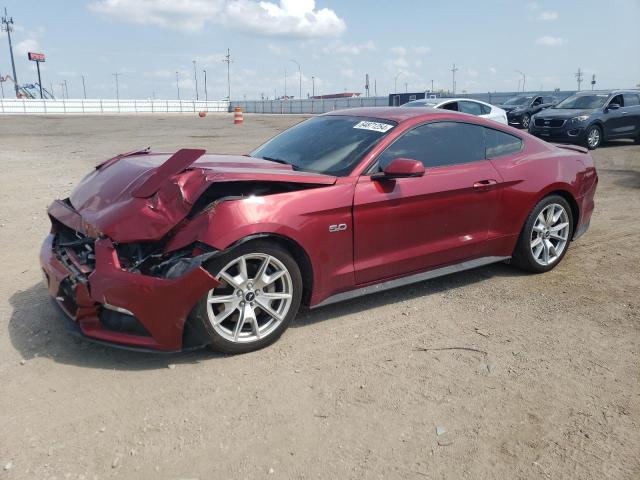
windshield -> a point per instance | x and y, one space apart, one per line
583 102
518 101
331 144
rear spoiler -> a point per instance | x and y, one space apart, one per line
113 160
574 148
177 163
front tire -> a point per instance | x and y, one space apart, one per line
545 237
526 121
593 137
259 296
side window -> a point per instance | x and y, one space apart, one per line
437 144
470 107
631 99
537 101
500 143
617 99
450 106
486 109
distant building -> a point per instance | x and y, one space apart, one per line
397 99
333 96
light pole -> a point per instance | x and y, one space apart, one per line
524 79
300 79
66 89
195 77
454 69
313 86
178 84
206 95
285 83
84 90
7 25
116 75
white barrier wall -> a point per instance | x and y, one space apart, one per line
101 106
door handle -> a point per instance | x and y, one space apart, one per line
484 185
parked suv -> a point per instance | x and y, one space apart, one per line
589 118
520 109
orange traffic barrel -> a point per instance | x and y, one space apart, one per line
237 116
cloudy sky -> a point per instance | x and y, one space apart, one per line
403 43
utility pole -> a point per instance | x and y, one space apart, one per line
206 95
406 87
524 79
7 26
454 69
228 61
299 78
116 75
431 85
366 84
178 84
66 89
593 81
285 83
313 86
84 89
195 77
375 87
579 77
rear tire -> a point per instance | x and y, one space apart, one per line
593 137
259 296
545 237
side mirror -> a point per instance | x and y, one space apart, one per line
400 168
613 106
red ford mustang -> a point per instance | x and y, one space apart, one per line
170 252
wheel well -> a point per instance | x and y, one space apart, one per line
299 255
575 210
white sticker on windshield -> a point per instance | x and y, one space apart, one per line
375 126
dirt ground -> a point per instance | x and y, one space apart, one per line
346 392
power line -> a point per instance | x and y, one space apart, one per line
7 26
578 75
228 61
454 69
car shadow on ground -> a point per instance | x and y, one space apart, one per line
38 328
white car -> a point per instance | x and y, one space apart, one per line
464 105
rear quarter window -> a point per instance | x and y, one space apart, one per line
499 144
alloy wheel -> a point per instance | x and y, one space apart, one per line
593 139
550 234
525 121
253 299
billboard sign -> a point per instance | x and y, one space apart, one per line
36 57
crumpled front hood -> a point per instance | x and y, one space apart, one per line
106 198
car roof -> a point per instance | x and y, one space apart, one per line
607 92
436 101
401 114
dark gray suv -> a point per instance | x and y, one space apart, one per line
589 118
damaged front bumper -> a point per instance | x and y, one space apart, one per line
110 304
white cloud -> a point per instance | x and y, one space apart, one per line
421 50
27 45
279 50
287 18
550 41
402 51
349 49
549 16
